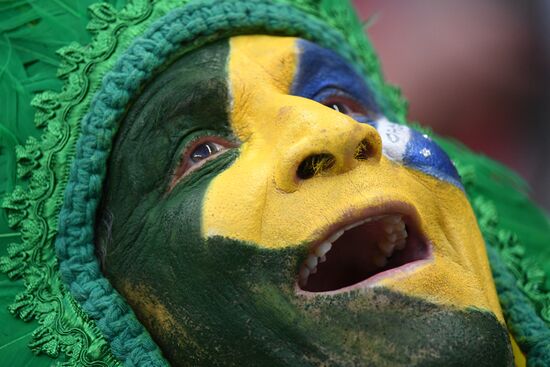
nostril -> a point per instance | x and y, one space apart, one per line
363 151
314 165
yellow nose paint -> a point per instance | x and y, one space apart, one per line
259 199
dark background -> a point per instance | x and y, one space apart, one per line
475 70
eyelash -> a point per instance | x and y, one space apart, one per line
334 96
350 105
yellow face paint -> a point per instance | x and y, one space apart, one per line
260 200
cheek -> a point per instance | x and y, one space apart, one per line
156 244
162 267
459 274
161 230
152 242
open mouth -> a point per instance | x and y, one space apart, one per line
362 250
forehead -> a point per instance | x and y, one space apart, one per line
295 66
228 70
264 72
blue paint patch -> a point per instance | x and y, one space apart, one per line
418 151
425 155
322 73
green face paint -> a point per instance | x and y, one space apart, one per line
221 301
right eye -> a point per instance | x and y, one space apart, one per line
197 154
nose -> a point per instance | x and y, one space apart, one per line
321 142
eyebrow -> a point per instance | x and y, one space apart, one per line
319 69
169 99
191 95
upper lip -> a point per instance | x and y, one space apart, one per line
353 217
368 244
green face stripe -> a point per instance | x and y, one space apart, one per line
245 312
147 233
224 302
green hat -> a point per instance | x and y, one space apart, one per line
69 71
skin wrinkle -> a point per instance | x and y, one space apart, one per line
263 209
195 95
152 90
278 80
128 231
103 235
240 105
126 219
457 252
360 192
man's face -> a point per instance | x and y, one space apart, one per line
260 210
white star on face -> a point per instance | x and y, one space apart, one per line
426 152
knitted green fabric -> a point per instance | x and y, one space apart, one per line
53 194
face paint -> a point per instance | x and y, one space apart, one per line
282 211
208 256
150 226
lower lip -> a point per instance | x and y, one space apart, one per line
374 281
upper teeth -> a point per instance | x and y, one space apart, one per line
396 238
396 235
322 249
